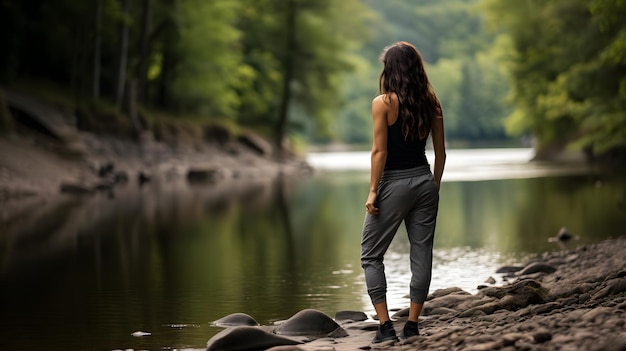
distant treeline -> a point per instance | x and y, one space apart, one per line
554 70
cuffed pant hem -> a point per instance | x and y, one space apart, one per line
378 295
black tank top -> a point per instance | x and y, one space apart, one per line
403 154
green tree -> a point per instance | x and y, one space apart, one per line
208 57
568 72
461 62
299 51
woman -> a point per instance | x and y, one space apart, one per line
402 186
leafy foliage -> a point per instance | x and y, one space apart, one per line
209 65
220 59
568 71
462 62
556 68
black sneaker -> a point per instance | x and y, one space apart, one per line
385 332
410 329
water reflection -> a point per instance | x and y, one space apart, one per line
86 272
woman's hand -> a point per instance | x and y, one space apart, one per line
370 203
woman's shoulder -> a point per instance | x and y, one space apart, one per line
388 99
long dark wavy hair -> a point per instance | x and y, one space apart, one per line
403 74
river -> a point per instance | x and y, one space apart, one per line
86 273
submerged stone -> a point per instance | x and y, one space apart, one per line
235 319
246 338
311 322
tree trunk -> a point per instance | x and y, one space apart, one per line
96 52
121 77
168 60
144 50
132 108
288 70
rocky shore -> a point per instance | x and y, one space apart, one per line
37 167
563 300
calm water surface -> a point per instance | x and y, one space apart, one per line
85 273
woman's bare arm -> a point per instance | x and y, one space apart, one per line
439 146
380 109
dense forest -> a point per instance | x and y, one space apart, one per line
567 63
308 69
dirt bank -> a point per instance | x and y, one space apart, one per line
36 170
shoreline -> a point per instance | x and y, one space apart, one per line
563 300
36 167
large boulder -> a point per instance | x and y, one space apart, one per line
311 322
244 338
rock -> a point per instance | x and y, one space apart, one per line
104 185
202 175
402 313
511 338
311 322
562 238
596 313
442 310
447 301
356 316
541 336
532 289
615 343
545 308
490 280
509 269
256 143
76 188
493 345
511 298
144 177
235 319
582 298
613 287
447 291
120 177
537 267
574 315
106 169
288 348
246 338
565 290
217 133
366 326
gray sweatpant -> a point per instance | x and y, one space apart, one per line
411 196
